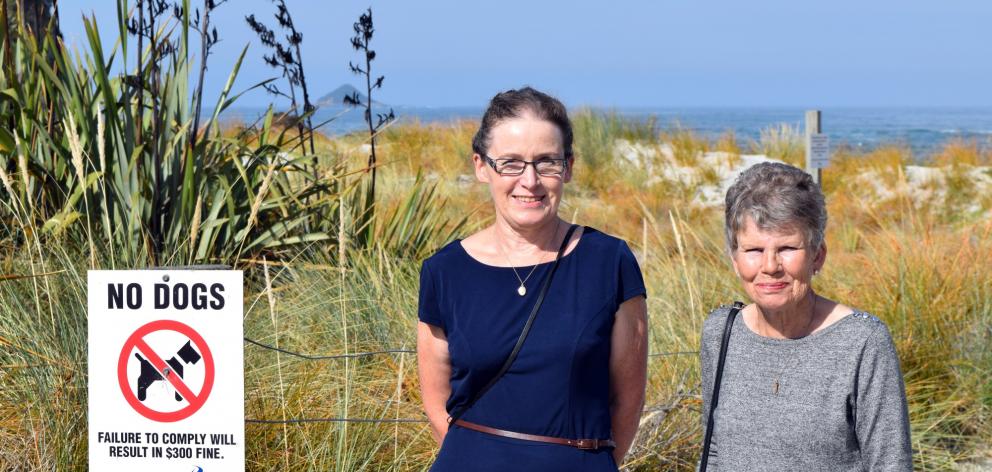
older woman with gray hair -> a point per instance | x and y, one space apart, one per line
793 380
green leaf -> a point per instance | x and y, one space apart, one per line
60 222
10 95
6 141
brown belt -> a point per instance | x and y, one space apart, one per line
579 443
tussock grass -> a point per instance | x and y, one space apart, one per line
923 266
784 142
101 172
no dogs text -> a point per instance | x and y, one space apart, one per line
178 296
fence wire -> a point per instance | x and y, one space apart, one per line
354 355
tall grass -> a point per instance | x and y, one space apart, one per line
595 135
925 273
784 142
939 315
98 172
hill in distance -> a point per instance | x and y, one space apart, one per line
336 97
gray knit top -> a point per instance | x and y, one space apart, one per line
840 406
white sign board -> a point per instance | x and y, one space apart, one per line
819 151
166 363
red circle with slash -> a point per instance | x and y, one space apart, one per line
137 341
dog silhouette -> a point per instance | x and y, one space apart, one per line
150 375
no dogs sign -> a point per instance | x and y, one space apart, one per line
166 383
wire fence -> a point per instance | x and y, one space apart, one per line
354 355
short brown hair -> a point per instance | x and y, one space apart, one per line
513 104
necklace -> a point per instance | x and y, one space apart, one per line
792 352
522 289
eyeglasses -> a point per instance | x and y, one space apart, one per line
512 167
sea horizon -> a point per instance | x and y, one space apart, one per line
923 129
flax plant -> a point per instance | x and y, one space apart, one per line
149 183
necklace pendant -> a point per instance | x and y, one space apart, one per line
522 290
775 388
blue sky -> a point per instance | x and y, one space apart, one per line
667 53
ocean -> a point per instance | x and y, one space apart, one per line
924 130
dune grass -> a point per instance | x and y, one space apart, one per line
104 171
922 266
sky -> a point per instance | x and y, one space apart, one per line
622 53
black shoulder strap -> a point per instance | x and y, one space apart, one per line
715 397
523 334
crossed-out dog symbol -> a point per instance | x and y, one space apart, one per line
150 375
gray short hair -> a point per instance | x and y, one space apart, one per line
777 197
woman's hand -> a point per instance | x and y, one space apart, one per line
434 368
628 372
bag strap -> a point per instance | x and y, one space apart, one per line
523 334
715 397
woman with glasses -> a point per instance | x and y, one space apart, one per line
532 340
807 383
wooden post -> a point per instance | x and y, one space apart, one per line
812 127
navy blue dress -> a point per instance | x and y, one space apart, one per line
559 383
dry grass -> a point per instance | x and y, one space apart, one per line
923 268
